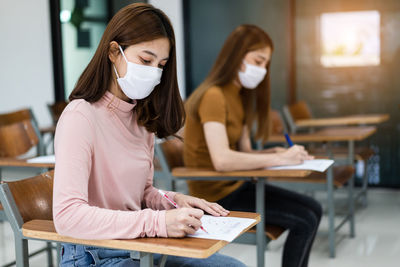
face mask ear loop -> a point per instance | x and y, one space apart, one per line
116 73
123 54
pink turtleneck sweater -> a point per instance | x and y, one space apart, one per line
104 173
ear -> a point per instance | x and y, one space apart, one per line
113 51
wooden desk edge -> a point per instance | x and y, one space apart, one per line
167 246
183 172
13 162
350 120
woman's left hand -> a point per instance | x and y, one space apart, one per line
194 202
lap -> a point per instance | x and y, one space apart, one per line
80 256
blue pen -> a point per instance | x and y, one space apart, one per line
288 140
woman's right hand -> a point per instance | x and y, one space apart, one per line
183 221
294 155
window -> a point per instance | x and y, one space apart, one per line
350 39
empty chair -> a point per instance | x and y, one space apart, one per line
23 201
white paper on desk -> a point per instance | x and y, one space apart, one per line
43 159
222 228
319 165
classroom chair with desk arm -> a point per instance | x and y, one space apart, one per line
300 111
28 205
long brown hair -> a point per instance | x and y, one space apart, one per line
256 103
162 112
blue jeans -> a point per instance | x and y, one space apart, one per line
82 256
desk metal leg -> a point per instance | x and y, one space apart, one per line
146 259
331 213
351 189
260 208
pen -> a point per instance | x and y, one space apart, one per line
289 141
174 204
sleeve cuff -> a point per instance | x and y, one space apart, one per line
162 224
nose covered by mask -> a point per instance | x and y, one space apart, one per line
139 80
252 76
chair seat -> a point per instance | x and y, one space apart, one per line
341 174
360 153
273 232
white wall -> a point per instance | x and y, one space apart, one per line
174 10
26 72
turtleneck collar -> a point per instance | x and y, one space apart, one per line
113 102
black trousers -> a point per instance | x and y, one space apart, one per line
298 213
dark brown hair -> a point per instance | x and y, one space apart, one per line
162 112
256 103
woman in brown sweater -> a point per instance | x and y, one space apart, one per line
220 114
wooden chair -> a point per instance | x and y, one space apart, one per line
20 116
28 205
56 109
169 155
23 201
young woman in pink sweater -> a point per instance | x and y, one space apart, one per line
104 146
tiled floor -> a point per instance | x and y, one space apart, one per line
377 241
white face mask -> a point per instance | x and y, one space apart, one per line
139 80
252 76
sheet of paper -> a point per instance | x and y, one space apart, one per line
222 228
319 165
43 159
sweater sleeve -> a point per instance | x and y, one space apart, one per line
72 214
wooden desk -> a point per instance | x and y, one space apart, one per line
331 134
343 121
14 162
259 175
184 247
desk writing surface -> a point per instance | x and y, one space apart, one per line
182 172
346 120
14 162
185 247
331 134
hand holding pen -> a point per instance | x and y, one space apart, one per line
188 223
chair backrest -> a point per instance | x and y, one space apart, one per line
173 152
277 124
168 155
18 138
20 116
15 116
297 111
28 199
300 110
56 109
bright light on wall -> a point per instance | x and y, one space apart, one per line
350 39
65 16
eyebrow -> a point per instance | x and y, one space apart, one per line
262 57
152 54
